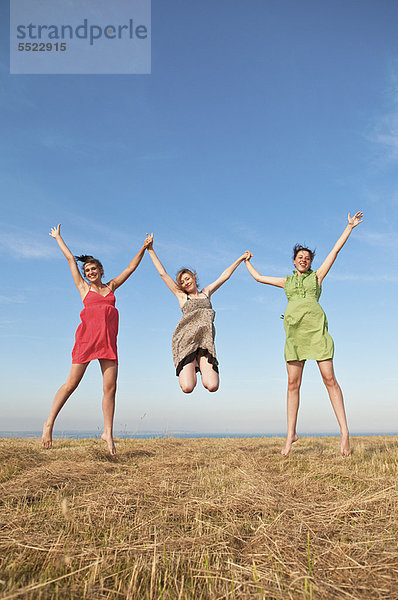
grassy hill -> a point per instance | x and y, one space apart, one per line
199 519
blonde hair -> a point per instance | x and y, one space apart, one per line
181 273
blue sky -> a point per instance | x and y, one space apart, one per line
262 124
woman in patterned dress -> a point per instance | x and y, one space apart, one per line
193 339
307 334
95 336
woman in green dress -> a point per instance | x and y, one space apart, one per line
306 330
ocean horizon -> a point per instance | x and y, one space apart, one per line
89 434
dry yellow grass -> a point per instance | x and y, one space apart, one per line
199 519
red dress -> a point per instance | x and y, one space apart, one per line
97 333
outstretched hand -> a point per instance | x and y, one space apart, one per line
148 241
356 219
247 255
55 231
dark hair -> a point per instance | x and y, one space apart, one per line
85 259
190 272
298 247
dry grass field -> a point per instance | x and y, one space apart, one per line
199 519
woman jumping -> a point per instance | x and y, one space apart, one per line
306 330
95 337
193 339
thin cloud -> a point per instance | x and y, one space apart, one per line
376 278
81 147
248 234
390 140
386 241
386 131
104 236
6 323
154 156
20 245
16 98
16 299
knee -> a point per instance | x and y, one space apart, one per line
69 387
187 388
329 380
211 387
110 389
293 384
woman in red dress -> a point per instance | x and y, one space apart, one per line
95 337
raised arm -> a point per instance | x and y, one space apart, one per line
276 281
81 285
225 275
331 257
169 281
124 275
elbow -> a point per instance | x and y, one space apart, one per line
225 276
256 276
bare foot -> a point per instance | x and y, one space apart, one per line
345 444
107 437
288 444
47 436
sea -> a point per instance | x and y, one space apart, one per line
141 435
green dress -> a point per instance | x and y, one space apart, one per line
306 325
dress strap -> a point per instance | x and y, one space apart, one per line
205 295
105 284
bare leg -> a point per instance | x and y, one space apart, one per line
336 398
294 375
210 378
187 377
109 374
74 378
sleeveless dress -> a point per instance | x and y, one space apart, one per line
306 325
97 333
194 335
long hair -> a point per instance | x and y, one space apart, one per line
85 259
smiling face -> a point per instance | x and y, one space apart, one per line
187 282
303 261
92 272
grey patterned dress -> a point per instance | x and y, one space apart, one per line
194 335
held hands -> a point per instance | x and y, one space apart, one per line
55 231
247 255
356 219
148 241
